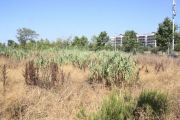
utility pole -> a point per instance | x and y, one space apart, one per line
174 14
7 43
36 45
115 41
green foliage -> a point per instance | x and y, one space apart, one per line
58 44
114 68
120 106
115 107
109 47
177 41
155 101
25 35
144 48
164 48
118 47
176 37
66 43
10 42
81 114
100 40
130 41
2 46
151 46
91 46
31 45
164 34
80 42
154 50
107 67
15 46
177 47
45 44
141 51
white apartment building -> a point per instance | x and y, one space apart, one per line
145 39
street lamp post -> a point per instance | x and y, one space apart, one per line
174 14
36 45
115 41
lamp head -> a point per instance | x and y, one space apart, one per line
174 4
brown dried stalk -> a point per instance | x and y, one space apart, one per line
158 67
54 73
62 76
4 72
31 73
25 74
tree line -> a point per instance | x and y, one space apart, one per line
27 39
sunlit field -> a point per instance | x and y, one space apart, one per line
58 84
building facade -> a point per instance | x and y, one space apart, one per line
145 39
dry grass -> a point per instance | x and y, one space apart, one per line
166 79
32 102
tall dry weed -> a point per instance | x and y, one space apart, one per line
4 77
31 73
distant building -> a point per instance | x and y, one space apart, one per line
145 39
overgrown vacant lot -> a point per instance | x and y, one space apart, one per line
58 84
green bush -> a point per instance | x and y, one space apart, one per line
141 51
155 50
144 48
116 107
122 107
154 101
177 47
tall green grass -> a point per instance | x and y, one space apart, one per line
107 67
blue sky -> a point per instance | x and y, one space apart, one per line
54 19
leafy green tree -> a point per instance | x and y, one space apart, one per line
43 44
176 37
118 47
100 40
46 44
177 47
10 42
15 45
25 35
2 46
84 41
177 41
58 43
66 43
130 41
31 45
80 42
40 44
109 46
91 46
164 34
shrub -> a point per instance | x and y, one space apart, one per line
116 107
177 47
157 103
141 51
30 73
155 50
150 105
144 48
